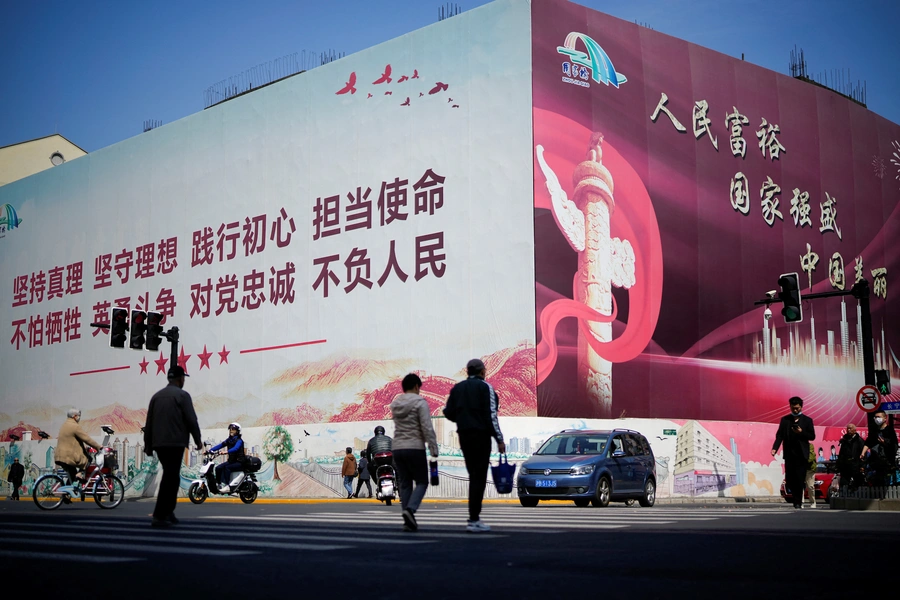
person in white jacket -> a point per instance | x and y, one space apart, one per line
412 431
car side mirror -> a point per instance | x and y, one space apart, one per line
618 453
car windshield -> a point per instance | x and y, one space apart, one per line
574 443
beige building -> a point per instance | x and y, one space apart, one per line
27 158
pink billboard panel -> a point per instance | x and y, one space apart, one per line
673 185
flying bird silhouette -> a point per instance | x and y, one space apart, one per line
306 432
350 85
369 96
402 79
415 74
406 103
438 87
421 94
385 77
449 99
388 93
455 106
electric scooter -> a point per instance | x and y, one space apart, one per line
385 477
243 482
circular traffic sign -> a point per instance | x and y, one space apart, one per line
868 398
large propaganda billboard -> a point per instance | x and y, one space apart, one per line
673 185
314 241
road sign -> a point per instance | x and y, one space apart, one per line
868 398
670 432
891 408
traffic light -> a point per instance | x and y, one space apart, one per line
118 327
154 331
883 381
138 326
790 297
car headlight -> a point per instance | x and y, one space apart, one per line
582 470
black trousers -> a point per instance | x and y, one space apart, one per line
476 449
15 488
359 485
167 497
795 479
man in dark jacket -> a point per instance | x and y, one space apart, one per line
14 477
473 405
171 422
849 464
378 443
795 431
364 475
881 443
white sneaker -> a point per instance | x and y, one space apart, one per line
224 488
477 527
813 505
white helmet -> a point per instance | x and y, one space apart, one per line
235 426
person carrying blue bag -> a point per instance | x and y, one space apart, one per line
473 405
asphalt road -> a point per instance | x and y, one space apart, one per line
350 548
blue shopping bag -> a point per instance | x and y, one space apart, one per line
504 475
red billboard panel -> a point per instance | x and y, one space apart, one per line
673 185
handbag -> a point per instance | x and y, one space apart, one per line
503 474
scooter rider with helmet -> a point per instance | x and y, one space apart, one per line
379 443
234 448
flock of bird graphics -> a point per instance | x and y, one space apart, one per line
385 79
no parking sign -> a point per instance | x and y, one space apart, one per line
868 398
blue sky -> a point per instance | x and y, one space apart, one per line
95 71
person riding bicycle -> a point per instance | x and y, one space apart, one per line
379 443
234 448
70 453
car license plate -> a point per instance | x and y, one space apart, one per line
545 483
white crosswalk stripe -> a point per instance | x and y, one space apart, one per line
512 519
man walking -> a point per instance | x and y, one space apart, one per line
348 470
849 463
412 430
364 477
171 422
14 477
795 431
882 442
473 405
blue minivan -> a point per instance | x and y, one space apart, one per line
590 467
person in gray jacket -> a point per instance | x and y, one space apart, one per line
171 422
412 431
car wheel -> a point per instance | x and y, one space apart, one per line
648 499
529 502
582 502
601 496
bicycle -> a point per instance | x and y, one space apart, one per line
107 490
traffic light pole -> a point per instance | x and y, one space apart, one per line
172 336
860 291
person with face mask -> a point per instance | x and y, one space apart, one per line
881 444
795 431
849 464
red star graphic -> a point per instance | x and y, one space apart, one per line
204 358
223 355
161 363
183 359
144 362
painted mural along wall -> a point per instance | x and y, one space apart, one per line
672 187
